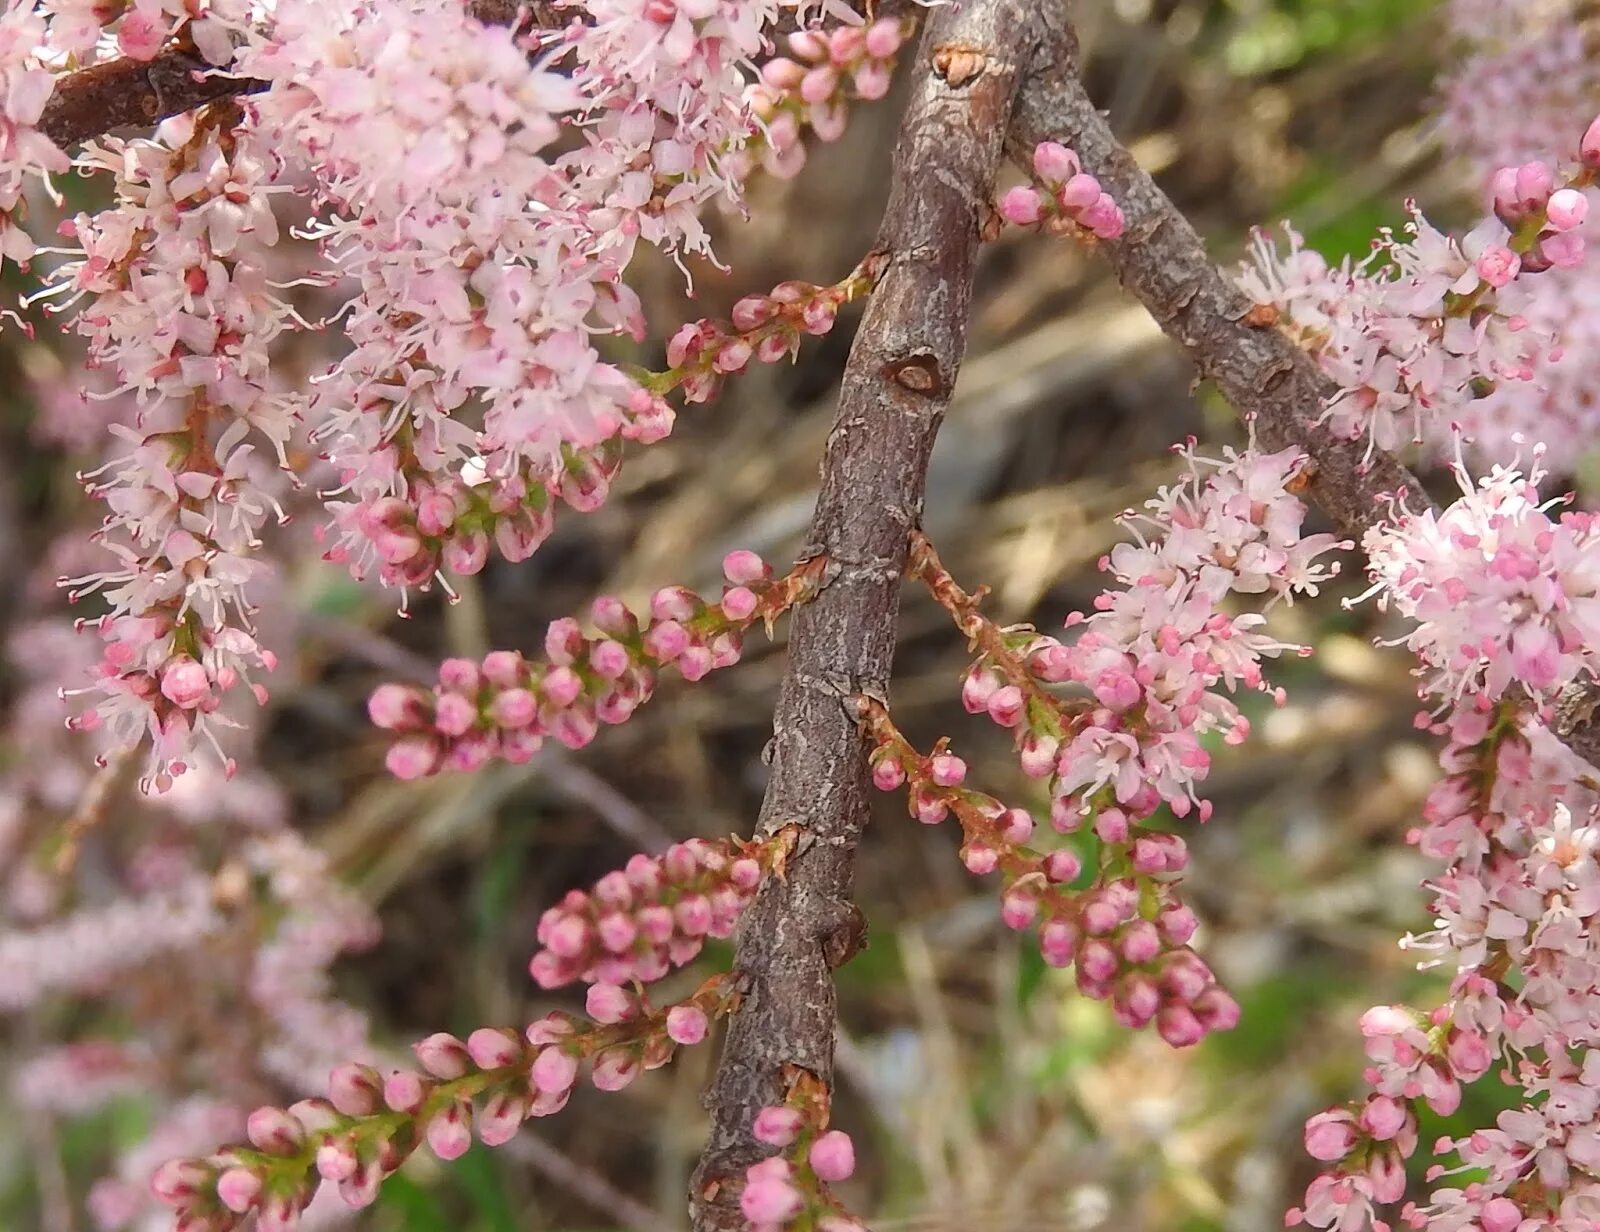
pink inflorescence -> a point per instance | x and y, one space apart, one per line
1065 196
1430 323
506 706
811 86
485 1086
792 1184
1125 933
765 328
1501 591
638 924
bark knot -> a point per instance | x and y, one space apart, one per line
918 372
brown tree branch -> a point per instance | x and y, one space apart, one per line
896 388
1162 260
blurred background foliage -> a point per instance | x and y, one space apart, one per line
985 1093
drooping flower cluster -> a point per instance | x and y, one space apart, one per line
1126 932
637 924
1501 591
506 706
184 317
370 1122
1070 201
790 1188
1429 322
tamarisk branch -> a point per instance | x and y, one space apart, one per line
1162 261
897 385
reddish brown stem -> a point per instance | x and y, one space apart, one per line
897 386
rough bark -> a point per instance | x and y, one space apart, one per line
1162 261
896 388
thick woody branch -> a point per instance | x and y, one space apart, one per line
1162 260
896 388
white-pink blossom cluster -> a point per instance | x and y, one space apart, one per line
1430 322
1500 591
1161 655
25 152
183 315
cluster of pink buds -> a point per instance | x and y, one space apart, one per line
810 87
1065 199
765 328
654 915
506 706
370 1123
790 1188
449 521
1545 216
1126 933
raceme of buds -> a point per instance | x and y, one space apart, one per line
810 87
1063 198
765 328
506 706
1127 936
485 1086
791 1187
655 914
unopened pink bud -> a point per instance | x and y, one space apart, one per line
887 774
743 568
355 1090
833 1156
1589 147
687 1024
274 1131
494 1048
614 1069
395 707
238 1188
739 603
777 1126
1330 1136
1007 705
1179 1027
501 1118
1382 1117
1567 209
562 686
883 39
404 1091
1498 265
1502 1214
442 1055
947 770
449 1131
1022 206
554 1070
337 1160
413 758
608 1004
1079 193
1054 163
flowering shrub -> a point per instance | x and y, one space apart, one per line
376 266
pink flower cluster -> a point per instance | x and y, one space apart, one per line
25 152
1070 199
1160 656
1517 909
184 315
765 328
809 88
1126 933
792 1185
1501 591
506 706
371 1122
1427 324
654 915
